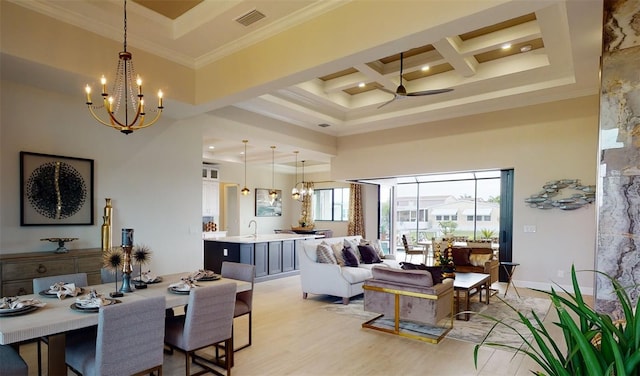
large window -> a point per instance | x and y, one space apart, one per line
331 204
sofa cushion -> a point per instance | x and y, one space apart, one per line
337 251
325 254
355 275
479 259
350 258
410 277
436 271
369 255
461 256
353 244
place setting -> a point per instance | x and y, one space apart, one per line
92 302
186 284
62 290
14 306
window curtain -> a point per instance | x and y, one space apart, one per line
356 215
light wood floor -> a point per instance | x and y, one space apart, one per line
292 336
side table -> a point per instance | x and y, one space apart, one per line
510 268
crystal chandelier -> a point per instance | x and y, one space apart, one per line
295 194
302 188
125 101
245 191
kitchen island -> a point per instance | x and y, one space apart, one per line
274 255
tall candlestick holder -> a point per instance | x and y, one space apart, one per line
127 268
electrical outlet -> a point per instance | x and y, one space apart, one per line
225 252
560 273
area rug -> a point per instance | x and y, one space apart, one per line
474 330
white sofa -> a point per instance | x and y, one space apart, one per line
333 279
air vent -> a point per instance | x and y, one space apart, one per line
324 125
250 17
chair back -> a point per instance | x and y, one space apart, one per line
241 272
130 337
209 318
405 243
41 284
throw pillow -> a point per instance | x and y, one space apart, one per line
325 254
350 258
375 244
479 260
408 277
460 256
436 271
369 255
354 248
337 252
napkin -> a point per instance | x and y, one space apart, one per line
202 274
185 284
147 277
64 289
15 303
91 300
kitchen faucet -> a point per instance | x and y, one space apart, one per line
255 230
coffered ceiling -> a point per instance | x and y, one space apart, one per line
501 54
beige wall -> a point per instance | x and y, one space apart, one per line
153 177
541 143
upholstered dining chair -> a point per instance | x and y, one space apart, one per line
244 299
208 321
410 251
129 341
41 284
11 363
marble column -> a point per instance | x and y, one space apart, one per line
619 168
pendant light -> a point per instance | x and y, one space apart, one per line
294 191
245 191
272 193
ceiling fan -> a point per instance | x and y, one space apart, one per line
401 92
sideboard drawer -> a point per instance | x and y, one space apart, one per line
36 269
17 288
88 263
17 270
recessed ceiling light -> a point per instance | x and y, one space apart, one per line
211 147
361 84
506 46
526 48
425 68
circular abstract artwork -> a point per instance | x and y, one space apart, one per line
56 190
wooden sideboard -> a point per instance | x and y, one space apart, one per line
17 270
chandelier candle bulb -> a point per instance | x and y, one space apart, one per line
160 99
139 83
103 81
88 90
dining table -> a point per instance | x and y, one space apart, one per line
58 317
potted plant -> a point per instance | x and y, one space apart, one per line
447 265
595 343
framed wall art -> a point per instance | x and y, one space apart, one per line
265 207
55 190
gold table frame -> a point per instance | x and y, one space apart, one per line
397 293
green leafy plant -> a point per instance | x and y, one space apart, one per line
595 344
487 233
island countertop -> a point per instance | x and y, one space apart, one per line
262 238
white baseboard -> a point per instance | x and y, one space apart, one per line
547 286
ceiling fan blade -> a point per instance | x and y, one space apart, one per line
386 103
428 92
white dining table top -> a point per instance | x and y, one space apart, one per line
58 317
